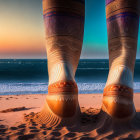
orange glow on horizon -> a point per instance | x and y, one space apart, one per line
21 30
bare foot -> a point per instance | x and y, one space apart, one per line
118 102
61 105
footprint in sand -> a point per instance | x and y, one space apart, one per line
32 127
43 127
70 135
34 131
13 128
56 134
20 132
87 138
44 133
26 137
3 130
22 126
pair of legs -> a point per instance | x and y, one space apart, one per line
64 26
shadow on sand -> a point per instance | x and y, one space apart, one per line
93 124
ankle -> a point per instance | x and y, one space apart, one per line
118 93
61 80
120 75
61 72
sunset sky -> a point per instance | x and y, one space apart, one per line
22 32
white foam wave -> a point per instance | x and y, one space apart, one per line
40 88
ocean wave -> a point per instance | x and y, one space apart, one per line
41 88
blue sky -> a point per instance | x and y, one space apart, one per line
95 36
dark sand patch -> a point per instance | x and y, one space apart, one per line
14 109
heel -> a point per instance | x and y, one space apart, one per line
118 102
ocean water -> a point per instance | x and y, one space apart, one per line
30 76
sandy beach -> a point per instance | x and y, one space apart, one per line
92 124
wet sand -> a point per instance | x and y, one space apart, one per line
92 125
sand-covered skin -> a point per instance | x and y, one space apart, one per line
17 112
